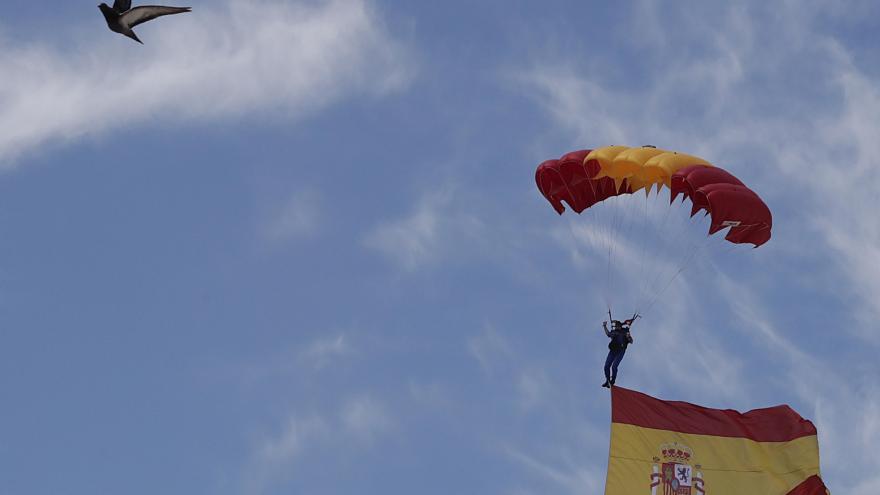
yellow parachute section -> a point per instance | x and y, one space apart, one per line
641 167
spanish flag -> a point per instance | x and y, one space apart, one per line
676 448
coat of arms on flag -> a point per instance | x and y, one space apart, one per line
675 472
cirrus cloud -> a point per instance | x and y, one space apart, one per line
227 59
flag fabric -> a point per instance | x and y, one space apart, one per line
676 448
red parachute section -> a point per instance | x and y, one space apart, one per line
571 180
729 202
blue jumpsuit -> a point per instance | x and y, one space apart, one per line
616 350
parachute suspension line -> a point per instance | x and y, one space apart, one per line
576 247
598 235
644 251
649 276
610 209
601 240
616 220
688 250
591 237
697 247
612 218
622 224
630 218
661 245
624 227
606 219
612 229
613 215
633 222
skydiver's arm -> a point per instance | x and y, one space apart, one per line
605 327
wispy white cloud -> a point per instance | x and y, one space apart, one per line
490 348
305 360
548 462
844 182
566 475
434 396
324 351
533 386
226 59
328 347
435 228
364 418
278 457
298 217
294 437
410 241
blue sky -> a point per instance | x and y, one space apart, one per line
296 247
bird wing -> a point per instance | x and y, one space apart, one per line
144 13
121 6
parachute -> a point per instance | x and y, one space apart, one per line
583 178
588 180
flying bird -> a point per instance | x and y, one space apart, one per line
121 17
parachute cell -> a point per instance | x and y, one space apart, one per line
687 179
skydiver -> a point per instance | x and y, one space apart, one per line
620 338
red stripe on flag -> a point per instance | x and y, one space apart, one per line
772 424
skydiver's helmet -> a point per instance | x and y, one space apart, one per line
616 324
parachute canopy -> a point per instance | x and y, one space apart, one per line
584 178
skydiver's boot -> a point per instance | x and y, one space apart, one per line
612 381
607 384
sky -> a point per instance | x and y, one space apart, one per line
296 246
